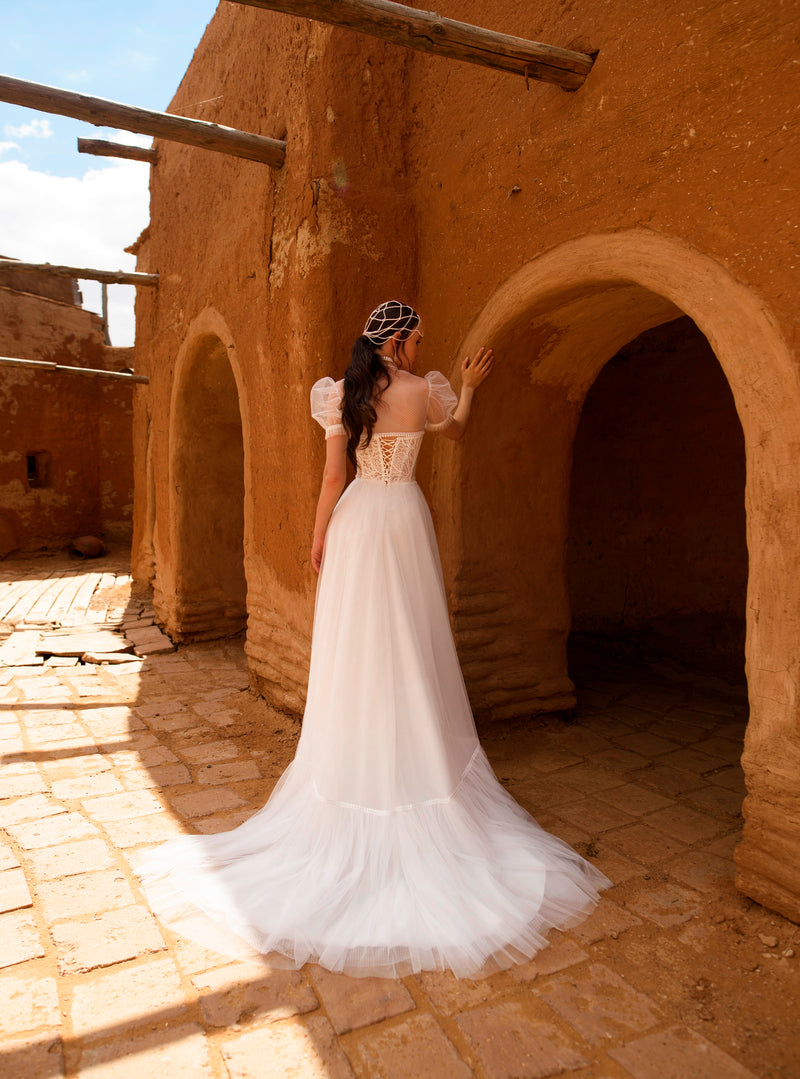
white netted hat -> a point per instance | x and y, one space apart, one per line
387 319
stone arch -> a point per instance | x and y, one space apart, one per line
210 512
555 323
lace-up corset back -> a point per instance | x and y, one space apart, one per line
390 456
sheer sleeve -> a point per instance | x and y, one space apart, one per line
442 401
326 405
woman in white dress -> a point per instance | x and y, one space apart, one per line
388 845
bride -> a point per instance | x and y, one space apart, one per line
388 845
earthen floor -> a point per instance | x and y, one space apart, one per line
675 976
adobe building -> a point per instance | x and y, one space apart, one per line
66 448
630 250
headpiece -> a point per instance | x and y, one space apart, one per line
387 319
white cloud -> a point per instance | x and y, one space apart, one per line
77 76
36 129
8 146
85 221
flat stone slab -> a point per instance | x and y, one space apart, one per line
107 657
155 647
76 644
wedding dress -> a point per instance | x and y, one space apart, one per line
388 846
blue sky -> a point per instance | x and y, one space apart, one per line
57 205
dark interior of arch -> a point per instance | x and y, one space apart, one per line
657 558
210 474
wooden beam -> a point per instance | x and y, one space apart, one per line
101 148
110 277
46 365
430 32
162 125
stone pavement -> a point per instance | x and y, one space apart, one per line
675 976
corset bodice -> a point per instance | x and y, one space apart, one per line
391 457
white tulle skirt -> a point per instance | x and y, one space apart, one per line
388 845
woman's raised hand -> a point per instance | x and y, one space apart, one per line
474 371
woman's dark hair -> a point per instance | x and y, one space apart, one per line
368 376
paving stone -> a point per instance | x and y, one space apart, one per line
160 708
161 775
210 752
180 1051
125 806
415 1047
30 807
110 937
588 779
684 824
608 918
648 744
84 893
12 786
667 904
510 1043
75 644
61 732
63 828
204 803
146 756
86 786
731 777
252 990
559 955
8 859
225 823
701 869
37 1056
14 894
669 781
616 866
717 800
726 748
20 939
233 772
149 992
158 646
620 758
643 844
174 721
27 1003
594 815
293 1049
598 1004
158 827
68 859
678 1053
634 799
691 760
193 958
449 994
225 718
352 1003
550 760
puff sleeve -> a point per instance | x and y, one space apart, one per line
326 405
442 401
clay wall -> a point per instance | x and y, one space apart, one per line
77 429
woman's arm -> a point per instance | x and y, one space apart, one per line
334 477
473 372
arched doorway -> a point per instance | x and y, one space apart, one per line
657 556
555 324
207 492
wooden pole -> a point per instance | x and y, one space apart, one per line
46 365
430 32
162 125
111 277
104 308
101 148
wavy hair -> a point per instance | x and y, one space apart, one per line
368 376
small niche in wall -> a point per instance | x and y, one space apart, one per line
38 469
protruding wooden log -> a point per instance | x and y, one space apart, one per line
429 32
102 148
46 365
162 125
110 277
